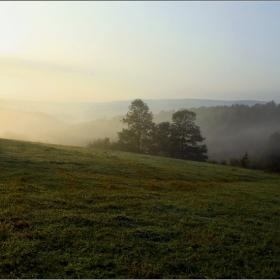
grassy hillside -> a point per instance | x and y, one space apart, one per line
68 212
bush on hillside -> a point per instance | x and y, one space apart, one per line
100 143
232 161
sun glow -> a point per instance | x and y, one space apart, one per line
94 51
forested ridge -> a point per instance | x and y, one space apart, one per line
231 131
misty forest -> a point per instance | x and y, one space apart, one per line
139 140
221 134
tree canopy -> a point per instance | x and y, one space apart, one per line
185 135
140 123
178 139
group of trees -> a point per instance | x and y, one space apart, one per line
230 131
237 135
267 159
178 139
269 156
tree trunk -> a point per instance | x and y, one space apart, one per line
182 148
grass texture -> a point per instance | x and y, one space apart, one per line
69 212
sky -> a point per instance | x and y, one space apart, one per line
105 51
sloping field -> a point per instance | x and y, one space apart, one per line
68 212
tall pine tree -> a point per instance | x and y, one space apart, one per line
137 136
184 137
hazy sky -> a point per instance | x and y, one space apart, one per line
105 51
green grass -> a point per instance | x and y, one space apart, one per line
68 212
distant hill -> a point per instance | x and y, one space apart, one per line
110 109
37 126
167 104
75 112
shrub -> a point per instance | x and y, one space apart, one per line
100 143
233 161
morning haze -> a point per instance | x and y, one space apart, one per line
70 80
108 51
139 140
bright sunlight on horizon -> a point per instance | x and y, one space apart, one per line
106 51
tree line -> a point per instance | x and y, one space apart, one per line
268 157
177 139
237 135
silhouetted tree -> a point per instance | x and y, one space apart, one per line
137 136
184 137
160 144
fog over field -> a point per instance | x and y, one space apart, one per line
139 139
70 80
80 123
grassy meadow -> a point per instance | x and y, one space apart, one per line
71 212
